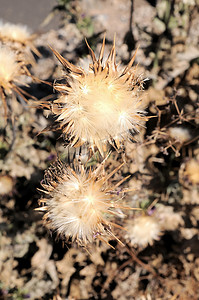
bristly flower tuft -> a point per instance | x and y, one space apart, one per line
79 203
11 75
20 39
100 106
9 68
143 230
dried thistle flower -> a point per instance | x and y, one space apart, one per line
189 172
19 38
168 219
10 70
6 184
143 230
99 106
79 203
179 134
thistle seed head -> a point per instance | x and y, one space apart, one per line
20 39
180 134
143 230
100 106
79 203
11 75
9 68
191 171
6 184
16 33
168 219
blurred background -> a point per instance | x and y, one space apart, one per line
32 13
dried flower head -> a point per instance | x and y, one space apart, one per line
179 134
10 70
99 106
19 38
17 33
143 230
79 203
189 172
168 219
6 184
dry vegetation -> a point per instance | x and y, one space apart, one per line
114 252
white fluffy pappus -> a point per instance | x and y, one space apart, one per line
11 76
168 219
143 230
6 184
191 171
180 134
79 203
20 39
15 32
9 68
99 106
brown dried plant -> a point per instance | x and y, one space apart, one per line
174 134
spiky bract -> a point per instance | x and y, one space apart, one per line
79 203
99 106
